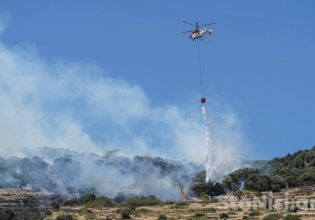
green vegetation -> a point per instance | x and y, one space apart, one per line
292 217
55 204
179 205
250 177
25 213
89 214
48 213
142 211
128 205
273 216
136 201
71 202
64 217
30 201
6 214
100 202
209 210
290 171
254 213
224 216
203 189
214 200
87 198
295 169
126 212
162 217
199 216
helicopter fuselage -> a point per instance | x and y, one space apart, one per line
200 33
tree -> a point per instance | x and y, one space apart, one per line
200 187
307 176
277 183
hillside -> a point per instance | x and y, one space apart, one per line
58 176
292 170
67 172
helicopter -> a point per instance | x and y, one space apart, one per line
198 33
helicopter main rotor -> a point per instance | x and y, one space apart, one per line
197 26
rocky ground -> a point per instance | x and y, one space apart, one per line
23 204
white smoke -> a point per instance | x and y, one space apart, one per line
76 106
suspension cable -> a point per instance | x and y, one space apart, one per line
200 70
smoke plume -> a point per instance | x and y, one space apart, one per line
67 172
79 107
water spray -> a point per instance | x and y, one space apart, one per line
208 145
209 149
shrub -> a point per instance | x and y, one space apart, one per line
162 217
71 202
214 200
179 205
292 217
30 201
232 213
224 216
87 198
211 209
204 197
136 201
273 216
55 204
24 213
254 213
100 202
120 198
126 212
167 202
64 217
140 211
199 215
6 214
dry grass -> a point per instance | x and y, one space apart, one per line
191 210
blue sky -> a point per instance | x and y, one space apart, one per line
260 61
